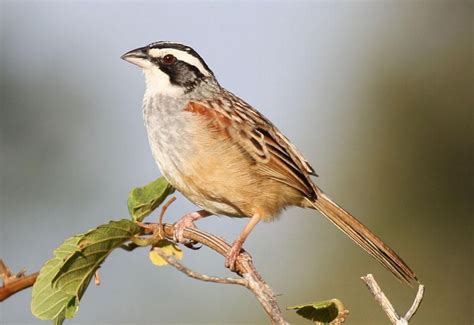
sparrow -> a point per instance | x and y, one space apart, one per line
227 158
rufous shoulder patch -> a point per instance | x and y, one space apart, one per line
216 118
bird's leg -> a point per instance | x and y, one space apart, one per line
237 245
187 221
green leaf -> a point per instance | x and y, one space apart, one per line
64 278
48 302
322 312
78 269
143 200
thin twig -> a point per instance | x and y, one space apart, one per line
5 272
251 281
162 214
386 305
14 283
381 298
416 303
196 275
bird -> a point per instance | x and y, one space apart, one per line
227 158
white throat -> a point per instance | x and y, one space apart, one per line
158 83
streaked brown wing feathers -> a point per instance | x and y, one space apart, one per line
277 157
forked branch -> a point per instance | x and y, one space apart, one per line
387 307
252 280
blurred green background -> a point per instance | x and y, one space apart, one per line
378 95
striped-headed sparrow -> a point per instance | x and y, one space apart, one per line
226 157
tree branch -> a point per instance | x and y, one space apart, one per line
416 303
13 283
252 280
244 267
387 307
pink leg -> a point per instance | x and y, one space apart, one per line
187 221
237 245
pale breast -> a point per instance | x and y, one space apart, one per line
212 171
169 137
172 135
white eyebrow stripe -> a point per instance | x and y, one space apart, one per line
182 56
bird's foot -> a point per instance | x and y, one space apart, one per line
232 255
187 221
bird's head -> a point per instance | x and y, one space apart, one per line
170 68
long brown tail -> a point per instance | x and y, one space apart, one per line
363 237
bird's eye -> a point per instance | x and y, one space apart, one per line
168 59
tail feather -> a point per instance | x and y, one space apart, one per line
363 237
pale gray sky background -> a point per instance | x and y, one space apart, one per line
378 95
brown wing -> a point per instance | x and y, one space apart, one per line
276 156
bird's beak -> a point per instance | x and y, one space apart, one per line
138 57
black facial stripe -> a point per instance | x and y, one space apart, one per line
180 47
181 74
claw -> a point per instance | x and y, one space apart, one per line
187 221
193 245
232 255
179 227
